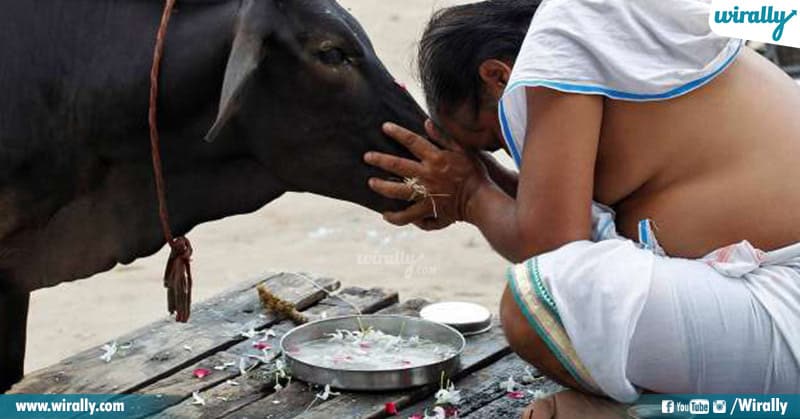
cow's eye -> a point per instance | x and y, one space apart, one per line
332 56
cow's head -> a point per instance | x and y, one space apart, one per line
305 89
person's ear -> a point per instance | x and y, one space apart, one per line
495 74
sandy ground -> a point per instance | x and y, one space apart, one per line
298 232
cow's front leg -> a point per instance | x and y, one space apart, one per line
13 327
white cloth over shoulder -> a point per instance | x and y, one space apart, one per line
640 50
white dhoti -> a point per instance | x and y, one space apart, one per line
621 317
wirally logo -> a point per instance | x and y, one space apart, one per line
770 21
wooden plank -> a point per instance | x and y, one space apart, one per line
483 387
224 398
481 350
157 350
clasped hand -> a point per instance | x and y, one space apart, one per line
442 182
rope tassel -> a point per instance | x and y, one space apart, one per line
178 279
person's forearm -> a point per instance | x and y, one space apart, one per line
494 213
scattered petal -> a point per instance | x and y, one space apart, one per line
276 402
250 333
264 357
539 394
224 365
516 395
327 393
529 377
278 387
438 413
187 348
280 369
509 385
232 383
416 416
449 396
451 411
110 349
222 398
242 366
261 346
197 400
201 373
390 408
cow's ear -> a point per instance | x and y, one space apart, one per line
252 29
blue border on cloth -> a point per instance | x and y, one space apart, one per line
599 90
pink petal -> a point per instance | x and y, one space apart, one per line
451 411
416 416
201 372
364 345
262 346
516 395
404 362
390 408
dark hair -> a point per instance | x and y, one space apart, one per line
458 39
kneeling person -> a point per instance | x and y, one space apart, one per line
653 217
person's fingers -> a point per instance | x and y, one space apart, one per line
394 190
432 224
418 211
394 164
414 142
439 138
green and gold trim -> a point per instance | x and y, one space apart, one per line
538 306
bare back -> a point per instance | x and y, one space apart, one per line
710 168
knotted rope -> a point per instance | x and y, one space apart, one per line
178 274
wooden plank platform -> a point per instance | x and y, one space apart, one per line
160 360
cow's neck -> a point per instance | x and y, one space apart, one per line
105 211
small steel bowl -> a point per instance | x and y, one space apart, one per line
374 380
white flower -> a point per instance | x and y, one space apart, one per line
110 349
327 393
540 394
243 369
529 374
438 413
264 357
231 383
509 385
278 387
335 337
224 365
267 334
280 369
250 333
448 396
197 400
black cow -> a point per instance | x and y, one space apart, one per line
292 89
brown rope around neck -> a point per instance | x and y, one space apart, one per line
178 275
